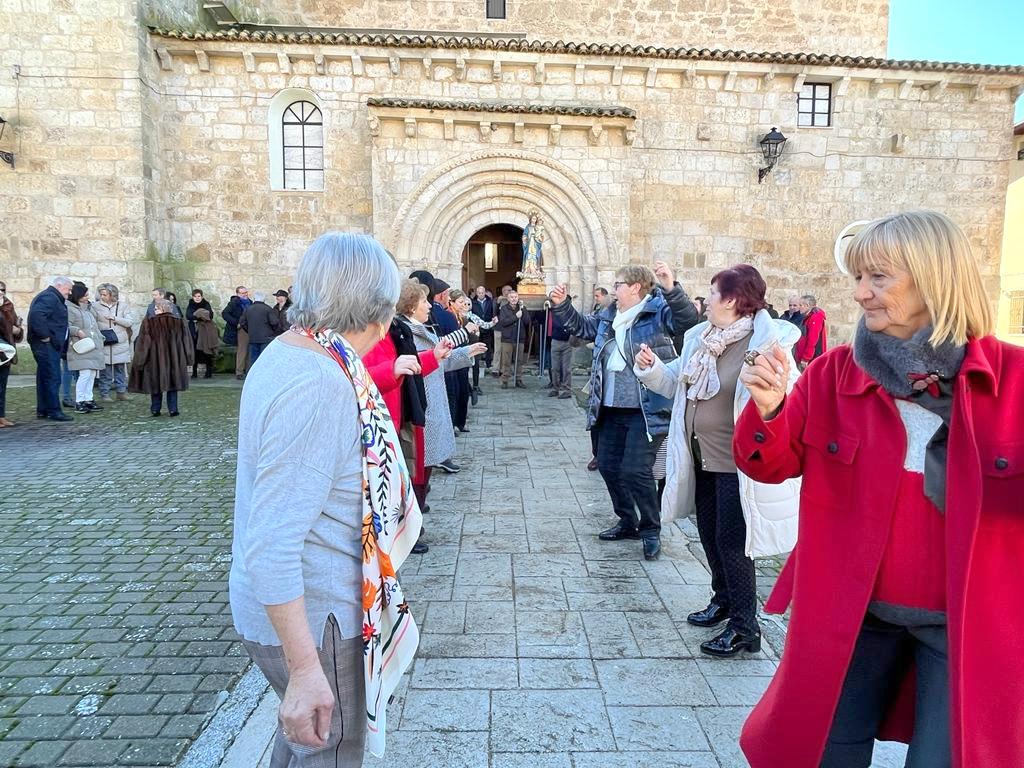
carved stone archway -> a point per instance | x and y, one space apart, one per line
501 186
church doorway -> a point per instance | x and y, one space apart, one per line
491 257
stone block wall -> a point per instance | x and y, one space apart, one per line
857 27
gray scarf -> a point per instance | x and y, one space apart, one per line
912 369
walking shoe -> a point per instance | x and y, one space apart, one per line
553 393
93 406
449 466
618 532
172 413
419 548
474 396
592 465
564 395
154 413
652 548
5 422
106 399
711 616
426 508
59 417
123 397
520 385
82 407
730 642
463 430
239 376
67 403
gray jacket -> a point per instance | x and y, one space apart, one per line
124 326
82 319
438 432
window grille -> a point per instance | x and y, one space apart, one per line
495 9
1017 313
302 142
814 105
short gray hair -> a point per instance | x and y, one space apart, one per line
110 288
161 305
258 297
61 280
346 282
810 299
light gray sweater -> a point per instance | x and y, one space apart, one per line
298 495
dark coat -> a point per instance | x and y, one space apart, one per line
261 323
232 313
281 313
163 356
796 318
484 309
664 315
9 320
190 314
508 322
835 430
48 319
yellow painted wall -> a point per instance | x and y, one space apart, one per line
1012 268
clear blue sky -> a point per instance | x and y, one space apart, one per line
978 32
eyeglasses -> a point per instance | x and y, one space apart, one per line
617 283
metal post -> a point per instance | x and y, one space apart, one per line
543 337
515 354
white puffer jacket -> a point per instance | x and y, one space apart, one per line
770 511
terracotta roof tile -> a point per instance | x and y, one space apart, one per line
502 106
442 42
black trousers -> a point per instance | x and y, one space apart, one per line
457 385
5 372
883 653
625 458
723 533
487 337
47 379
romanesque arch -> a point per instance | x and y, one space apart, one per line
502 186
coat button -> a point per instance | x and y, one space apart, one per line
833 447
759 437
1002 463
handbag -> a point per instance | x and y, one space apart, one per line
84 346
109 337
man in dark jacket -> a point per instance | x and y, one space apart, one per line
233 336
47 337
793 314
561 355
483 307
260 323
632 421
281 304
512 320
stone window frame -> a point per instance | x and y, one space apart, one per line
304 116
496 9
1015 326
282 101
809 103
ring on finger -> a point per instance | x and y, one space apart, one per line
750 356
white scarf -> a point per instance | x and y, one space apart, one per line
701 371
623 321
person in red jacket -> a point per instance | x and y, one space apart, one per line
904 582
813 341
398 370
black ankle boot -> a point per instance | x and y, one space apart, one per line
618 532
711 616
730 642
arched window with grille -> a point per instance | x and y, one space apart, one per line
296 132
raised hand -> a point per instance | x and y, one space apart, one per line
766 380
407 365
519 314
442 349
477 349
645 358
472 327
664 276
559 294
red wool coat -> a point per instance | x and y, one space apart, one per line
842 432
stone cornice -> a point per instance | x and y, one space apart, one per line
502 107
443 42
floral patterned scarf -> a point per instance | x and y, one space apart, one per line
391 525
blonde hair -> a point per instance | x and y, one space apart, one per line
938 256
637 273
413 292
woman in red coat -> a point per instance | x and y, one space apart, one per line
905 581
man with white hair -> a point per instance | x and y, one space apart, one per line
813 341
47 337
261 323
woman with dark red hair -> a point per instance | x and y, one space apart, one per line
737 518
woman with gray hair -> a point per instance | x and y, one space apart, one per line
325 514
117 324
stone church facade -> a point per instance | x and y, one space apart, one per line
166 144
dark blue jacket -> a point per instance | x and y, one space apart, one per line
232 313
664 315
48 319
484 309
445 321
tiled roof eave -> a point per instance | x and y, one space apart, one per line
502 107
442 42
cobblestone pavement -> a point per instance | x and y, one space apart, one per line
115 639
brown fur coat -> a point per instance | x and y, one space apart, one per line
163 356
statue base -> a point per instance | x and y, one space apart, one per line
532 290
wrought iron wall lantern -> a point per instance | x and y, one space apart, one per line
771 147
7 157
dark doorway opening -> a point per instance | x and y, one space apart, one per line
492 257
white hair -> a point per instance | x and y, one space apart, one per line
258 297
61 280
346 282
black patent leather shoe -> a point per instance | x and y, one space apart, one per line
730 642
618 532
711 616
652 548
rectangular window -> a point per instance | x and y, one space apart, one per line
1017 313
490 257
814 105
495 9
